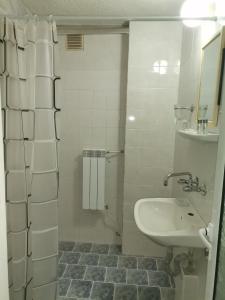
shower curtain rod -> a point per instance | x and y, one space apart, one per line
122 19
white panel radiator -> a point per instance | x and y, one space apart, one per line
94 179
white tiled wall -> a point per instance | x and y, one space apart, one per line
153 75
198 158
93 115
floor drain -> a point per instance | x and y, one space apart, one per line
191 214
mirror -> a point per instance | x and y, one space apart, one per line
211 77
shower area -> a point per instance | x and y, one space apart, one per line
54 238
71 234
30 109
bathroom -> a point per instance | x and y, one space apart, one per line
112 150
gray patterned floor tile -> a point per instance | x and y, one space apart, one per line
108 260
63 285
148 293
147 263
82 247
90 271
167 293
62 298
69 258
100 248
80 289
138 277
75 272
125 292
89 259
116 275
66 246
162 265
95 273
115 249
60 254
158 278
61 269
129 262
102 291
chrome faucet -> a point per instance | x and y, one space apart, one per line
177 174
189 185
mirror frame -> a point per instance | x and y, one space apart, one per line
220 71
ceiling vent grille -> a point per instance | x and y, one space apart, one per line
75 42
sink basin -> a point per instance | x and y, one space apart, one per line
169 221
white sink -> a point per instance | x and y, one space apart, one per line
169 221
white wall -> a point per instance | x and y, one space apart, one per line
13 7
198 158
194 156
93 115
150 132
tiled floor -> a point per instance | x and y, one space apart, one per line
100 272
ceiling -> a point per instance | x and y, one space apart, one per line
105 8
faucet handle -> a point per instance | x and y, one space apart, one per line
202 189
182 181
195 182
187 188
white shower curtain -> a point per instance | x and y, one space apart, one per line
30 107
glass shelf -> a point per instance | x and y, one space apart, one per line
210 137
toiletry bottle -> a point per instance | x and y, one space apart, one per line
200 126
205 126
